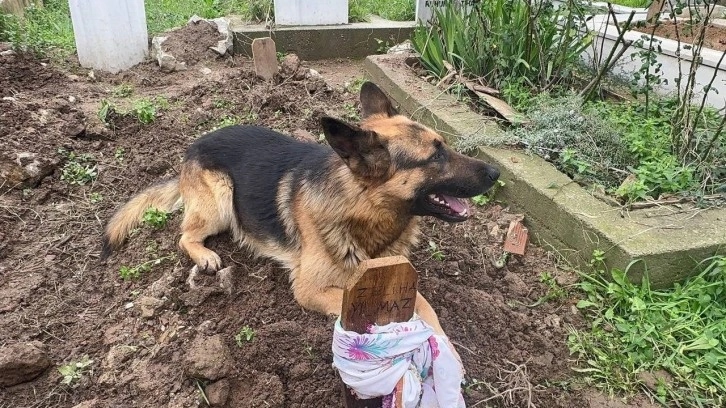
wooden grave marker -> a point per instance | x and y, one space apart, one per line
382 291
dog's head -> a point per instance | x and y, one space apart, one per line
406 161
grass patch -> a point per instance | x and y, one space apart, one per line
668 343
48 31
42 31
633 3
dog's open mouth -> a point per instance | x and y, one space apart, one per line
453 208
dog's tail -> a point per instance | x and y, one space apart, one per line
163 196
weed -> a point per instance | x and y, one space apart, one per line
155 218
383 45
355 85
79 169
103 111
95 198
555 292
486 198
74 371
309 351
122 91
350 112
636 330
220 103
436 253
246 334
119 154
145 111
134 272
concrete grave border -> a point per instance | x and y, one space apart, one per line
355 40
666 242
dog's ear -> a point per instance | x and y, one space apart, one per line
362 150
374 102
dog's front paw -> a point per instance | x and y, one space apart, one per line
210 263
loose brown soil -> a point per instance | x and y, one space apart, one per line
149 338
715 35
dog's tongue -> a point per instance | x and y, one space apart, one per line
456 204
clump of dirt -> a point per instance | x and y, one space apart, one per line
155 341
191 43
715 35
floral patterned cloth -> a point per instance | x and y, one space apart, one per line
372 364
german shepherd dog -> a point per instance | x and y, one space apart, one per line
317 210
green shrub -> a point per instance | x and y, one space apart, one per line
504 39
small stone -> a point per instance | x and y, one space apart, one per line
7 53
290 64
208 358
218 392
9 99
205 71
313 74
92 75
22 362
73 77
129 305
72 99
150 306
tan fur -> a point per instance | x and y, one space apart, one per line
164 197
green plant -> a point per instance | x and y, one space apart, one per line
145 111
74 371
486 198
79 169
134 272
123 91
355 85
436 253
555 292
221 103
41 31
155 218
500 40
350 112
246 334
119 154
95 198
677 333
103 111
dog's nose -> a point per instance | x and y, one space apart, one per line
493 173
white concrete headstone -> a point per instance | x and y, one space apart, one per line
311 12
425 8
110 34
